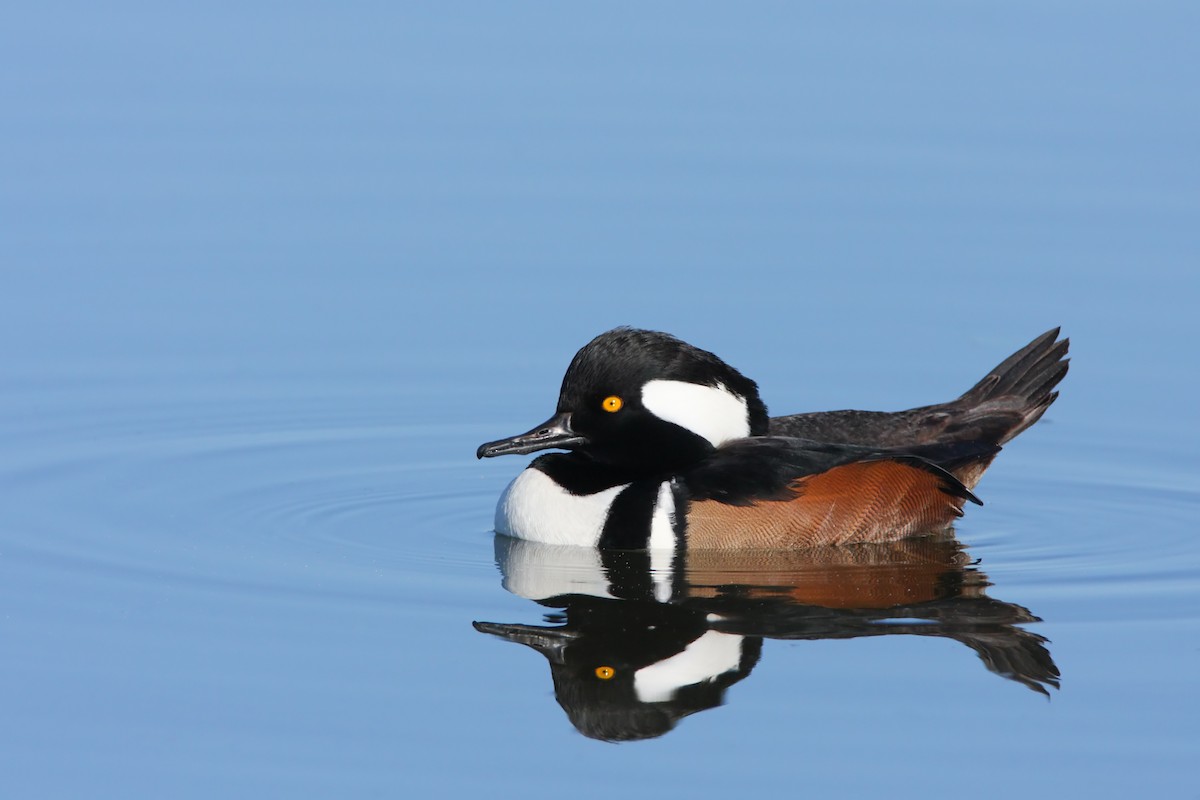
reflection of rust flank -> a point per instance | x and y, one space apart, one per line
872 501
879 575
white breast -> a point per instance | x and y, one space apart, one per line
536 508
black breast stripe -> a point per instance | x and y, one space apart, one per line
630 516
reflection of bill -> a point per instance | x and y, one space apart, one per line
644 645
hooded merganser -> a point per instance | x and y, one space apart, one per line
671 448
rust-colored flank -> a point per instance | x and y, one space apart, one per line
870 501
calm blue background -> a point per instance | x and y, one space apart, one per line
271 272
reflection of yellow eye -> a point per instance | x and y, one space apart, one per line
612 403
604 673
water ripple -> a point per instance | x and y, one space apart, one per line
330 485
200 491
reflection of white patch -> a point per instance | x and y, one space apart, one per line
534 507
706 659
662 542
713 412
539 571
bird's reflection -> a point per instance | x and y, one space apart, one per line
638 645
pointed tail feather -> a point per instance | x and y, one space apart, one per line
1020 389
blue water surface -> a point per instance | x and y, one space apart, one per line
270 273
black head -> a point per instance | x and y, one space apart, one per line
646 402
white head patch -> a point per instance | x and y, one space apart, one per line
706 659
713 412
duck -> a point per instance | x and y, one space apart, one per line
666 447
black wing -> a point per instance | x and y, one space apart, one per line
746 471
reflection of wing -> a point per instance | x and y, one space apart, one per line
987 626
1013 653
862 590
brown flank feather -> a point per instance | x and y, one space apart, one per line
868 501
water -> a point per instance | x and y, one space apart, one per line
270 276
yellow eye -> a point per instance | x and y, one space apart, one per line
612 403
605 673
